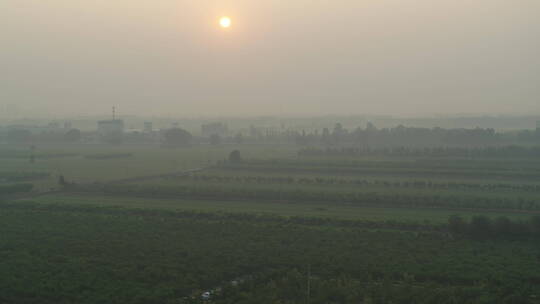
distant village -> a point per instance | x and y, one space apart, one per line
326 131
112 131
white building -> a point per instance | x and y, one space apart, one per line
110 129
148 127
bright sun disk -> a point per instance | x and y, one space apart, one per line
225 22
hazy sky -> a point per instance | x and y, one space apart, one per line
170 57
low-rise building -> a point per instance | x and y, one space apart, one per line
110 130
148 128
216 128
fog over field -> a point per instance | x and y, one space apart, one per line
269 151
302 57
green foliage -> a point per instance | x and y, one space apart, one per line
178 137
366 197
73 135
233 176
102 156
72 253
62 254
15 188
24 154
480 227
19 136
22 176
483 227
215 139
512 151
235 157
457 225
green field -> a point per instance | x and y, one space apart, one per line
276 181
133 224
320 210
144 161
85 254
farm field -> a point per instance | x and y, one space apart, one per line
280 182
286 209
345 182
138 225
270 152
76 164
69 253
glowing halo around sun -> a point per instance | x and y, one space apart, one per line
225 22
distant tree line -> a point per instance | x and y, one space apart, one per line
486 151
482 227
322 180
19 135
177 137
371 136
368 136
400 135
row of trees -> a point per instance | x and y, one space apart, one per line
483 227
15 189
173 136
338 135
441 151
368 136
8 176
321 180
304 194
400 135
26 136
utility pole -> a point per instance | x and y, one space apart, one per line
32 154
309 284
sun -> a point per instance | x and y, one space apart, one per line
225 22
